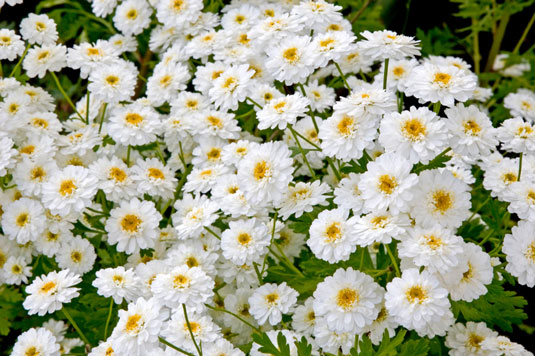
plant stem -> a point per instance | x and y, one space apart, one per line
271 242
190 331
436 107
393 259
236 316
335 171
302 151
520 166
20 60
358 13
343 76
308 141
288 262
108 320
479 208
73 323
102 117
165 342
497 40
385 77
58 84
87 109
400 101
524 34
311 112
477 55
254 102
128 155
212 232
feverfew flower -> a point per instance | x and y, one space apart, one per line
381 45
521 103
11 46
282 111
114 82
154 178
39 29
303 197
23 220
519 249
39 60
245 241
38 341
117 283
135 124
348 301
47 293
231 87
270 301
193 214
132 16
516 135
467 339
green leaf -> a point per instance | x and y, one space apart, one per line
437 162
303 347
418 347
266 346
388 346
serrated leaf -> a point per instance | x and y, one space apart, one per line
418 347
303 347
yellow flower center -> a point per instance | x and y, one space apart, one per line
524 131
156 173
191 262
291 55
93 51
468 274
38 122
215 121
180 281
387 184
239 18
117 174
214 154
442 201
244 239
272 298
133 119
279 107
130 223
261 170
67 187
47 287
475 340
416 294
31 351
433 241
530 252
346 298
5 41
27 150
414 129
133 323
333 232
131 14
442 78
22 219
76 256
43 55
346 126
379 222
177 5
471 128
398 71
112 80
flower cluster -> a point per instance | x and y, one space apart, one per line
264 137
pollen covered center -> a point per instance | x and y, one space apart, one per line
442 201
291 55
442 78
47 287
22 219
272 298
433 241
133 323
155 173
471 128
416 294
117 174
67 187
346 126
180 281
112 80
133 119
387 184
244 239
414 130
261 171
333 232
347 298
130 223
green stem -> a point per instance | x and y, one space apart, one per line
308 141
477 55
342 76
165 342
393 259
311 112
108 320
486 237
497 40
58 84
436 107
73 323
102 117
159 152
479 208
385 76
302 151
87 109
199 351
236 316
335 171
361 10
212 232
20 60
128 155
254 102
288 262
524 34
400 101
271 242
520 166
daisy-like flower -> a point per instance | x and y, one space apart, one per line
502 344
345 136
321 96
302 198
39 60
347 194
194 253
11 46
69 190
519 249
473 273
7 154
445 84
316 13
418 302
135 124
165 83
89 56
222 347
468 339
416 134
471 130
38 341
138 328
398 72
332 46
521 196
114 82
183 285
381 45
387 183
48 293
216 123
521 103
440 198
516 135
331 236
500 175
16 270
77 255
154 178
117 283
133 225
348 301
24 220
39 29
173 13
114 178
231 87
292 60
282 111
31 175
193 214
264 174
245 241
270 301
331 341
132 16
304 317
435 248
379 226
103 8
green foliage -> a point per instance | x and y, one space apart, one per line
10 308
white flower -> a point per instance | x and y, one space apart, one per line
47 293
133 225
519 249
516 135
112 83
77 255
132 16
270 301
245 241
387 183
7 154
24 220
416 134
69 190
222 347
521 103
175 13
418 302
348 301
183 285
11 46
303 197
304 317
331 236
16 270
38 341
381 45
380 226
117 283
231 87
154 178
467 340
502 344
39 29
114 178
282 111
521 196
135 124
440 83
193 214
265 172
440 198
138 328
39 60
347 194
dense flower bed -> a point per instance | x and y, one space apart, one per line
259 179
